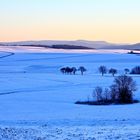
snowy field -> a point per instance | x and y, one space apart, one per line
37 100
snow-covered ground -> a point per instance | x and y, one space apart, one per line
37 100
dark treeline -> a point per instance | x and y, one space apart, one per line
58 46
69 47
102 69
73 70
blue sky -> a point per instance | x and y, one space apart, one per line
110 20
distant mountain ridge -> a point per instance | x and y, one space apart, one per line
129 47
49 43
77 44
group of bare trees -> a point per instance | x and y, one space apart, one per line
120 92
103 70
73 70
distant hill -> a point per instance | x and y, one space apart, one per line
77 44
128 47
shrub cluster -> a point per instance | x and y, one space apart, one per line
103 70
73 70
120 92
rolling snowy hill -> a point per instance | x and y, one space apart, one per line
37 100
78 44
49 43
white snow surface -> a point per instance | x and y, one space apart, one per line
38 101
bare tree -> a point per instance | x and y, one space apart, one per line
102 70
101 95
107 96
74 70
126 70
113 93
63 70
82 69
113 71
97 94
123 87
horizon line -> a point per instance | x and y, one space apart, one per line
36 40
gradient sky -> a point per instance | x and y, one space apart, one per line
108 20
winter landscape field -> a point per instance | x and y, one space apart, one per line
37 101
